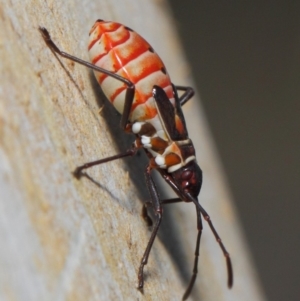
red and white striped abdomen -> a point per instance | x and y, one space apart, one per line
117 48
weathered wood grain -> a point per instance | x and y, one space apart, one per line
64 239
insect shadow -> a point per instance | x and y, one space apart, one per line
168 232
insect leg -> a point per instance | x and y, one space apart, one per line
195 269
218 239
187 95
130 86
158 212
189 198
78 171
144 213
199 227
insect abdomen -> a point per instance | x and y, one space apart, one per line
117 48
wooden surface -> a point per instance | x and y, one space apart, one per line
64 239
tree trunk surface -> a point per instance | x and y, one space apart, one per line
68 239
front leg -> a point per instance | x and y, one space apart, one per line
156 204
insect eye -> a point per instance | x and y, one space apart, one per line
185 184
186 175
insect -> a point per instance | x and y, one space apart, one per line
135 81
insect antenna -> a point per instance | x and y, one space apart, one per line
195 268
218 239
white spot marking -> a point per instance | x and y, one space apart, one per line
175 167
146 140
189 159
136 127
160 160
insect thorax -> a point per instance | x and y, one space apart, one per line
166 154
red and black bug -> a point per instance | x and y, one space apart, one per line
136 82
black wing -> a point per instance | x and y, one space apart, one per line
171 117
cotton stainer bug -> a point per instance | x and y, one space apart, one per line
136 82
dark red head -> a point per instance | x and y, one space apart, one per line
189 178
